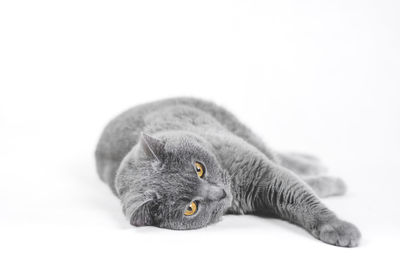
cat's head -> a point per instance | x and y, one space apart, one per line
173 181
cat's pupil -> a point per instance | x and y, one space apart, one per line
190 209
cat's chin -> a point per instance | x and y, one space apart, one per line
222 207
217 217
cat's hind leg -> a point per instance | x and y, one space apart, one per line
325 186
311 170
302 164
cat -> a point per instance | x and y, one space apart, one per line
182 163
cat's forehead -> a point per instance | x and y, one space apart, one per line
186 147
184 141
181 180
176 191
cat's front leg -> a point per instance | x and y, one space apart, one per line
281 192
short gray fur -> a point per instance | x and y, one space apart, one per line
146 155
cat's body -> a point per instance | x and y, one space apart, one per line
151 157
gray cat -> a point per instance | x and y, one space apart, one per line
182 163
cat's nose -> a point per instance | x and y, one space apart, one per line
219 194
223 195
212 192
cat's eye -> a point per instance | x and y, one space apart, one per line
191 209
200 170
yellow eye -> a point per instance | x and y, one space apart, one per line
191 209
199 169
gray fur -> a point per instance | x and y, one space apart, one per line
147 154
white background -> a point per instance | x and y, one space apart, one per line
312 76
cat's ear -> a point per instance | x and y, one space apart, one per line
153 147
138 209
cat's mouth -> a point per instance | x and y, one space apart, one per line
226 202
228 199
221 207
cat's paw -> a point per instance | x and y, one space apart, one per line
339 233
